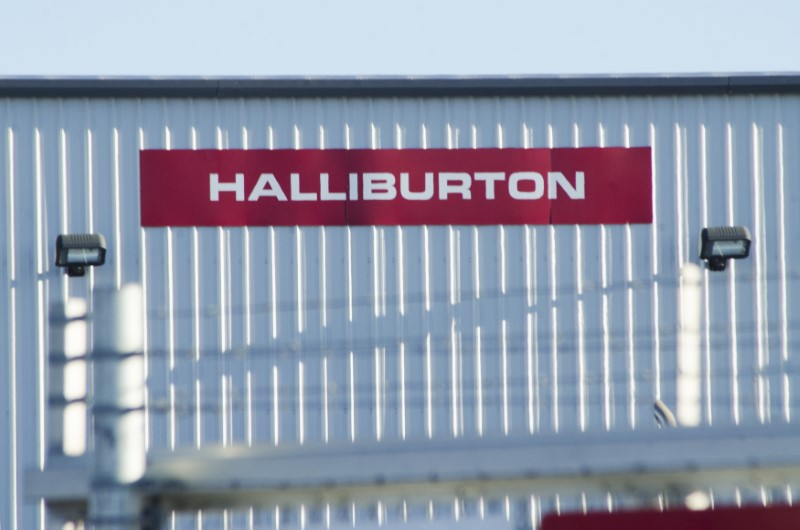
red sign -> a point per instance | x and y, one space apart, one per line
721 518
309 187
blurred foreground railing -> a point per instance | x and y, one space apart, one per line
111 487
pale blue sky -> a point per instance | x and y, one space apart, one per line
409 37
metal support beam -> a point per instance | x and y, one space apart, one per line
647 462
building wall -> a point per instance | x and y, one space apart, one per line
322 334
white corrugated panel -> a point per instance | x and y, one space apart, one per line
308 335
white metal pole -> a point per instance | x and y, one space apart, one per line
67 379
688 391
118 409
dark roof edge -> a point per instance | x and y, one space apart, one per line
398 87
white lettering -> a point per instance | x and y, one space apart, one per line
298 195
216 187
353 186
555 179
423 195
375 186
262 190
532 176
324 190
455 183
490 179
379 187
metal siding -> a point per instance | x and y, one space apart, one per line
8 457
302 335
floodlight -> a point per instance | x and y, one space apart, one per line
719 244
78 251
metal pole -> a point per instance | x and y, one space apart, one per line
688 409
118 410
66 403
67 379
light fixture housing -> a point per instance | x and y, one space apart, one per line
719 244
78 251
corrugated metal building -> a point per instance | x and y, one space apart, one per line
300 335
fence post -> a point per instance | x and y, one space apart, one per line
118 409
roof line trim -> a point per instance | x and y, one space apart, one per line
398 87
